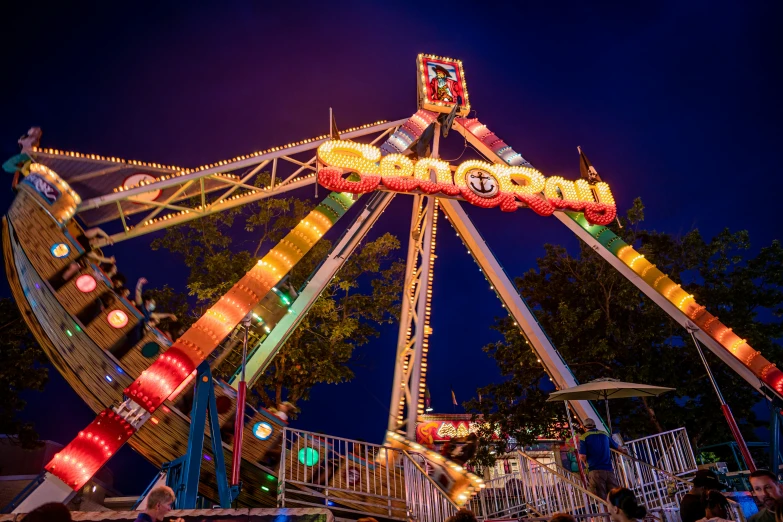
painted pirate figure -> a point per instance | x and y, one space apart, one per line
443 87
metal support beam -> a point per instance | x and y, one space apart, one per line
183 473
674 312
225 166
413 338
735 432
411 342
774 440
668 307
192 214
263 355
516 306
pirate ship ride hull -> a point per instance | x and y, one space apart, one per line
99 359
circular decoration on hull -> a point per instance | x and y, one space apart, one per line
86 283
262 430
134 180
60 250
308 456
117 318
482 183
150 350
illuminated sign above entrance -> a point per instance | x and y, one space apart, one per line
481 183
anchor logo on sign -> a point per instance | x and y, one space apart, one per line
482 183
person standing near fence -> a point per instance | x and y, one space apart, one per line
159 502
692 503
595 449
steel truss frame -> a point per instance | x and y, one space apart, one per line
410 367
182 208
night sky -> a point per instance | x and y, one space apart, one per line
676 102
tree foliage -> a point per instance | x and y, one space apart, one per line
21 370
603 326
364 294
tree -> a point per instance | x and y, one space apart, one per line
343 318
364 294
21 360
605 327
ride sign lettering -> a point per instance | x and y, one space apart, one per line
481 183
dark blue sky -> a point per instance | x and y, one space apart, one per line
676 102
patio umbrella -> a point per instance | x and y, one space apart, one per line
605 389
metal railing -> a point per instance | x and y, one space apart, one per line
659 490
670 451
536 490
425 501
654 487
352 477
501 497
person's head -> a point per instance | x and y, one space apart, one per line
51 512
623 505
765 487
715 504
463 515
159 502
118 280
562 517
149 302
285 407
589 424
367 519
706 479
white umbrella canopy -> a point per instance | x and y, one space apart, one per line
605 389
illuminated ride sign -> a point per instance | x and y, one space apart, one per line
481 183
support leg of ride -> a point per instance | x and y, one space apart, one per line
738 437
52 489
774 440
184 473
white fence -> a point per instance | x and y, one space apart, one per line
425 501
351 477
536 490
670 451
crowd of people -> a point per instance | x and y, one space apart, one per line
704 503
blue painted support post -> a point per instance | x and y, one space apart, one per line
186 497
184 472
774 439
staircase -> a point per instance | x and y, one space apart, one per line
356 479
659 490
536 491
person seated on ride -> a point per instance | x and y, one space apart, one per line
20 164
88 238
283 409
465 449
146 305
118 281
172 330
106 264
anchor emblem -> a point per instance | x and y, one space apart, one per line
488 185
